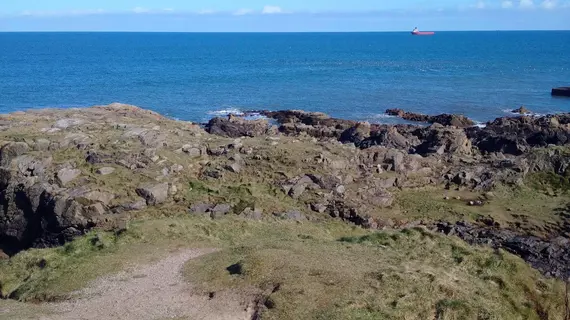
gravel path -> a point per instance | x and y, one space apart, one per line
154 292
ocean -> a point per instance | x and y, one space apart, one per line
195 76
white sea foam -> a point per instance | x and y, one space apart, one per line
226 112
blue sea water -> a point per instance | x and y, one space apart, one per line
349 75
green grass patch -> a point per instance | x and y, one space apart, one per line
386 275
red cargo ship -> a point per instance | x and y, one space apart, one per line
417 32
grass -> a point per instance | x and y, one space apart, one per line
396 275
522 208
318 271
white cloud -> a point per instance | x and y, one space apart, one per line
243 12
61 13
206 11
526 3
140 10
549 4
507 4
480 5
271 10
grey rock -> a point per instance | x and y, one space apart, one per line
319 207
68 123
215 174
95 210
234 167
192 151
137 205
65 176
75 140
96 196
291 215
10 151
386 183
340 189
154 194
297 190
152 138
42 145
105 171
200 208
220 210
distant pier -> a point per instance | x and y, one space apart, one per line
561 92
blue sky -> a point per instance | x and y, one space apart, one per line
282 15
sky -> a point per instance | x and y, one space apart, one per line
282 15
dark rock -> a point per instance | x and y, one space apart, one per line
10 151
522 110
443 119
548 256
154 194
236 127
356 134
215 174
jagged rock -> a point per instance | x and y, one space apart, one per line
516 135
30 166
94 210
154 194
396 159
193 151
152 138
10 151
235 127
356 134
75 140
105 171
136 205
443 119
440 140
65 176
382 199
220 210
550 257
297 190
522 110
200 208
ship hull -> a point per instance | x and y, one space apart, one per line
423 33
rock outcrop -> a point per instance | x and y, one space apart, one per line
455 120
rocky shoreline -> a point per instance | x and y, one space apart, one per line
65 172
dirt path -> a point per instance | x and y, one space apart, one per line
153 292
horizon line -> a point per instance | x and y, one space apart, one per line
236 32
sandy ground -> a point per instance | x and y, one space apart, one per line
154 292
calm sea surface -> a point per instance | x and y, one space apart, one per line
350 75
